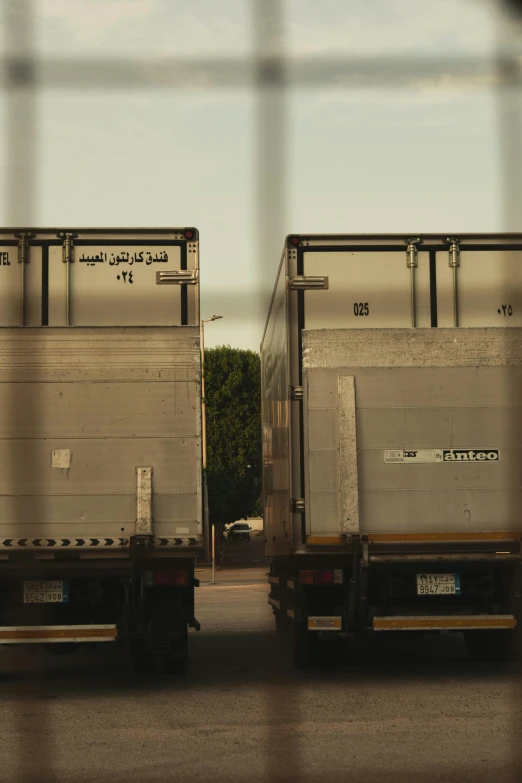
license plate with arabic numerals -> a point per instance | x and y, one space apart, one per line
438 584
46 591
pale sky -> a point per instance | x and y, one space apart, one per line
417 156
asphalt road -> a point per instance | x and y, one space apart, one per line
397 713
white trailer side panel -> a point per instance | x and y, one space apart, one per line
275 388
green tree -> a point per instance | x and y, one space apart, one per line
233 410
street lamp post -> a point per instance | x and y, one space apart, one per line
206 529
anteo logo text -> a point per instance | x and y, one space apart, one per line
470 455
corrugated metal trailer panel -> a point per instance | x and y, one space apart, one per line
275 381
98 403
430 468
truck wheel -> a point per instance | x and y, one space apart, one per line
175 666
305 647
62 648
160 657
491 646
140 658
175 660
280 625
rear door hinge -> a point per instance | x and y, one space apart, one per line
296 392
23 246
307 283
298 506
68 245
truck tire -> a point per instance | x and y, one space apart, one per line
279 622
492 646
150 658
62 648
304 647
140 658
280 616
176 667
175 659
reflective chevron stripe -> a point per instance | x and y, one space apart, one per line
91 543
177 542
62 543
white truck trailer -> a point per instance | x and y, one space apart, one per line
100 436
392 439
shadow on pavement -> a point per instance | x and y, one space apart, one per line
242 658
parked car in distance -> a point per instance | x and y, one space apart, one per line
238 531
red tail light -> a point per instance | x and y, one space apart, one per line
169 578
321 577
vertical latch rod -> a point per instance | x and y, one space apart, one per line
412 262
24 256
454 262
67 258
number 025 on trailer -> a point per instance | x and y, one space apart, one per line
438 584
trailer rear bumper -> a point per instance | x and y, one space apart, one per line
404 549
444 623
45 634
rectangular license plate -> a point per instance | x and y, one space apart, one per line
325 623
438 584
46 591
